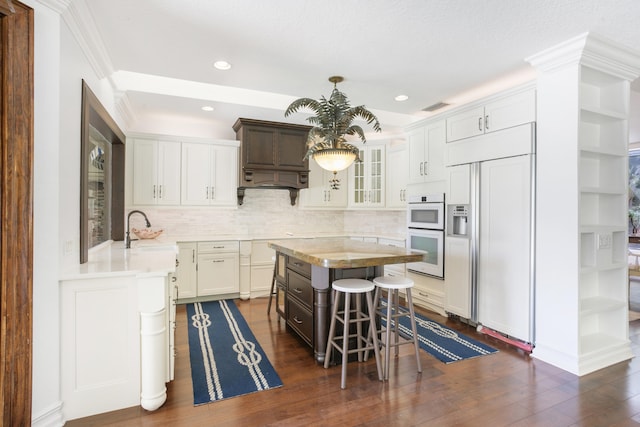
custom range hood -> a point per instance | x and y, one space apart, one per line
271 156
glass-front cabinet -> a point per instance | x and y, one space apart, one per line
367 179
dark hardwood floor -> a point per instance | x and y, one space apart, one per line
504 389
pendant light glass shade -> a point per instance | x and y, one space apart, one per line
334 159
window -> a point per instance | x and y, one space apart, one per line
634 191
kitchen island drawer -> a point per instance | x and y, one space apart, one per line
301 267
300 320
218 246
299 287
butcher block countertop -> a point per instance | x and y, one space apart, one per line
343 253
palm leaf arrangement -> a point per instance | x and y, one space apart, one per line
333 120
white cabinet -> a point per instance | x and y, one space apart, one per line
209 174
426 153
262 261
581 269
321 194
393 269
116 333
397 174
457 273
218 268
458 185
502 113
366 178
428 292
156 172
186 270
207 269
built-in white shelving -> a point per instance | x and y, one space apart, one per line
584 88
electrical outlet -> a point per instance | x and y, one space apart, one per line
604 241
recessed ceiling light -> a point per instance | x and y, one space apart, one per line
222 65
207 108
401 98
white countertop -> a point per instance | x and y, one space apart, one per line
157 256
146 258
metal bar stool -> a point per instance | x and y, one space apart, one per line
391 315
349 288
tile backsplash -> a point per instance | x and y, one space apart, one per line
270 212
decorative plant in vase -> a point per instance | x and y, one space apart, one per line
332 122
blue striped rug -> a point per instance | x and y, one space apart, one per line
443 343
226 359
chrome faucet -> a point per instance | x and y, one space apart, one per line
127 239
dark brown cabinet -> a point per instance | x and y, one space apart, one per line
271 156
299 299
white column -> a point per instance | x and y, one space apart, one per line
152 305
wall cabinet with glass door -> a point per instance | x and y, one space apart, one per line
156 172
209 174
367 178
426 153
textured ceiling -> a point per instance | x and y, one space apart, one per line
430 50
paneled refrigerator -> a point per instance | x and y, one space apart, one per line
492 255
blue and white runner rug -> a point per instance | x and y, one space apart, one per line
226 359
441 342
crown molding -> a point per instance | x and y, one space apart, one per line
56 5
78 18
593 51
124 109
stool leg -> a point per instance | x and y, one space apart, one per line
332 328
387 343
345 341
359 317
273 285
372 325
373 328
414 329
396 325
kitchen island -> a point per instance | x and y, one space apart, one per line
305 269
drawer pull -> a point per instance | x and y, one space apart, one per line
297 290
423 294
298 321
217 260
298 264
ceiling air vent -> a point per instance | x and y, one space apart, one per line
435 107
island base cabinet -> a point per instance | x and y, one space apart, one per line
100 344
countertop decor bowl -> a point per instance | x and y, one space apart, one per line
147 233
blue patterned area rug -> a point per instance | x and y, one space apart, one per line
226 359
442 342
